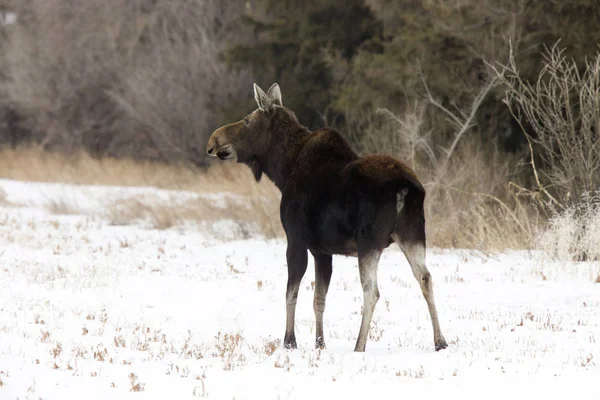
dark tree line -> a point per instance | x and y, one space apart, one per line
152 78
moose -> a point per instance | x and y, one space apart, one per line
333 202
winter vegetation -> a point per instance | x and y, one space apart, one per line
99 304
131 264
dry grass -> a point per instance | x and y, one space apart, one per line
248 204
35 164
136 385
470 198
228 348
259 213
469 203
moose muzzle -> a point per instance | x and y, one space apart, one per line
218 144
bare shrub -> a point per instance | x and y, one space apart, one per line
560 116
58 78
177 81
405 137
137 79
468 203
574 233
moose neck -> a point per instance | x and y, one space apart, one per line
286 145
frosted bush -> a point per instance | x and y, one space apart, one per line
573 233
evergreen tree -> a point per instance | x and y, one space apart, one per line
292 39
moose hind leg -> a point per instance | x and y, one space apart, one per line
297 259
323 270
367 265
415 254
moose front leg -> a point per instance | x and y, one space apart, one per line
323 270
297 260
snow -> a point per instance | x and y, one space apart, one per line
92 310
90 199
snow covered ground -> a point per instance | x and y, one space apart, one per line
93 310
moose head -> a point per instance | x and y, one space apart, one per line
249 139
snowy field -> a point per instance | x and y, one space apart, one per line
94 310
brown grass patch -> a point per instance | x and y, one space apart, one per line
254 207
468 210
270 346
257 214
136 385
34 164
228 348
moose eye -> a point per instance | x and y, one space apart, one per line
246 121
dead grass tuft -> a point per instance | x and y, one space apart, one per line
136 385
285 364
412 373
271 346
228 348
375 331
56 350
45 336
101 353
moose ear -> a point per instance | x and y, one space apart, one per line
274 94
263 101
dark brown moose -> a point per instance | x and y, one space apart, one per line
333 202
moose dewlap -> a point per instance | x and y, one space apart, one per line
333 202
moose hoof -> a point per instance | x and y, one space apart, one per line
289 342
291 346
360 348
320 343
440 344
